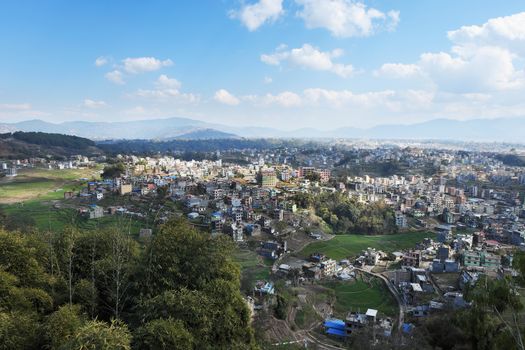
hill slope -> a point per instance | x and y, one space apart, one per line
38 144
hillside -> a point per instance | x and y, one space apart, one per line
38 144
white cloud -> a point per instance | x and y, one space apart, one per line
255 15
136 111
101 61
345 18
338 98
508 30
168 95
473 69
284 99
310 57
11 112
268 80
164 82
393 19
15 106
115 77
94 104
167 89
397 70
144 64
224 97
483 58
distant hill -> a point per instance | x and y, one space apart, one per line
141 129
205 134
38 144
501 129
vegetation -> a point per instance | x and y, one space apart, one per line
21 145
99 290
113 171
45 139
153 147
511 159
344 246
347 215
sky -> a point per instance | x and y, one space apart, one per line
287 64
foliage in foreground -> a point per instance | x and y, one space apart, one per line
101 290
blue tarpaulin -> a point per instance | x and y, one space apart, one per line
338 332
338 324
407 327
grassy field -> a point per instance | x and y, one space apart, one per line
42 184
306 316
344 246
362 294
30 198
46 218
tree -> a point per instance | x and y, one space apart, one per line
97 335
180 256
62 325
189 276
485 321
113 171
116 270
17 258
18 331
168 334
65 246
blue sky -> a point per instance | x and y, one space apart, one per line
280 63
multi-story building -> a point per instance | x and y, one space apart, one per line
412 258
328 267
268 178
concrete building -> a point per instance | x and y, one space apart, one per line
125 189
268 178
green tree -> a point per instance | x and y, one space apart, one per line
18 330
168 334
97 335
62 325
180 256
113 171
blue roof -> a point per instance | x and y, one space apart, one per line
334 331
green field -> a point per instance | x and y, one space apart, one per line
42 184
344 246
362 294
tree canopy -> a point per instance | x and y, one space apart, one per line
101 290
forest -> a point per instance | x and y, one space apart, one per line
104 290
46 139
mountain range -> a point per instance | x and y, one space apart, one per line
501 129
